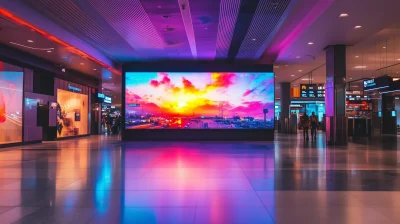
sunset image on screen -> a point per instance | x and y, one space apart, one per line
215 100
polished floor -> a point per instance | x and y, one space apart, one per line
99 179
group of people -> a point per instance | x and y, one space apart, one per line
306 123
113 124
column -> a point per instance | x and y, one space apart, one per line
285 104
335 95
389 122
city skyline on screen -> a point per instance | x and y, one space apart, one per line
194 94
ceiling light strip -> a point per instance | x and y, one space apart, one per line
71 48
229 12
33 48
280 46
187 21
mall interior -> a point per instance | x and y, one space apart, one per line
188 111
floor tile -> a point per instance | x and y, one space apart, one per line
227 214
147 215
99 179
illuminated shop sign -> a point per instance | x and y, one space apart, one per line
354 92
357 97
134 105
312 90
100 95
107 99
73 88
377 83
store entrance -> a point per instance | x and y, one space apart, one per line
43 118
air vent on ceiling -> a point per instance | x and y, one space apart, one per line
169 29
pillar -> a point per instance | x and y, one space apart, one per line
335 95
285 104
389 122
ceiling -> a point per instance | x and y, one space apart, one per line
109 33
137 30
23 39
379 28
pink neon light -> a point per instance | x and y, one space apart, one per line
280 46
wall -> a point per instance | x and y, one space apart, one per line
31 131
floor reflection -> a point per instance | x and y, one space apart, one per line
103 180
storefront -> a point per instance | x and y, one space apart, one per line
11 104
72 109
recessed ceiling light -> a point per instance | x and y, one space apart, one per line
292 75
254 39
286 65
82 63
49 51
384 47
360 66
357 56
343 15
351 78
95 69
306 79
300 70
357 27
297 56
30 41
310 43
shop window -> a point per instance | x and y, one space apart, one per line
11 93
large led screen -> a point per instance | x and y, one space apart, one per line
194 100
11 107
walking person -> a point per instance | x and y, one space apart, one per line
305 123
314 125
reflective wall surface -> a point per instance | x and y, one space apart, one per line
103 180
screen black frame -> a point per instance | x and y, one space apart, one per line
193 134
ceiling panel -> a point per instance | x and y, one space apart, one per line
229 11
205 17
130 20
83 21
266 18
165 15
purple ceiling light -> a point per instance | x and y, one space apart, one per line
187 21
294 30
205 15
229 10
131 22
